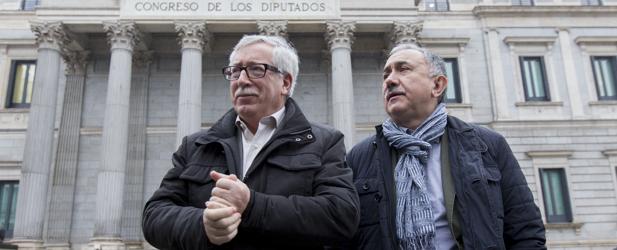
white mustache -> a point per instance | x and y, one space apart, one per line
245 92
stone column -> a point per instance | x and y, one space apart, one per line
339 36
134 180
405 32
63 180
272 28
110 180
193 37
51 37
574 93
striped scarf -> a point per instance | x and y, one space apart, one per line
415 226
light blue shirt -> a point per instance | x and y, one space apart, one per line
444 240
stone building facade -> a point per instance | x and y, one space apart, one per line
95 96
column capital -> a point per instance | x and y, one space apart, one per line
192 34
50 35
272 28
76 61
122 34
405 32
340 34
142 59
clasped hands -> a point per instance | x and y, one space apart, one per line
223 212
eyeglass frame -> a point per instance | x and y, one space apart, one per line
249 75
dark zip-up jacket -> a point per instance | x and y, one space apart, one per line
302 194
493 204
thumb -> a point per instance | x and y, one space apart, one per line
216 175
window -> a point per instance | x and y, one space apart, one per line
29 4
591 2
604 73
555 193
522 2
534 78
437 5
8 203
453 92
21 83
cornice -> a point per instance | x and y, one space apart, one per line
543 11
529 39
443 40
595 39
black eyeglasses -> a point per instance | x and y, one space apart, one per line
253 71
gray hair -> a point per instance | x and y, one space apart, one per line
435 63
284 55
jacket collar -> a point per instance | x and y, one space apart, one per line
293 122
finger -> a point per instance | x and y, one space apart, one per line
219 192
226 183
216 175
220 201
219 213
225 224
233 177
215 204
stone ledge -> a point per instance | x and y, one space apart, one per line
551 153
538 104
572 225
459 105
603 103
15 110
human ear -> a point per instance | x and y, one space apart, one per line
439 85
287 82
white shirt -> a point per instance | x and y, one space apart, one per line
253 143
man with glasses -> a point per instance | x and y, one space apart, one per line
262 177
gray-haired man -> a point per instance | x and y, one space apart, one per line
427 180
262 177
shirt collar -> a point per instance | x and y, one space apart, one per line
274 120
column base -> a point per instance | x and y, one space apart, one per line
24 244
58 246
106 243
134 245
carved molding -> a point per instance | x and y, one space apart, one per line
76 61
50 35
340 34
142 59
405 32
272 28
122 34
192 35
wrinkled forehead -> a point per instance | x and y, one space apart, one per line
258 52
407 56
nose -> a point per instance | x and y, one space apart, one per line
391 81
243 79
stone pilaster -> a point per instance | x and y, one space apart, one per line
576 105
339 36
193 36
114 143
63 180
502 109
405 32
51 38
272 28
134 180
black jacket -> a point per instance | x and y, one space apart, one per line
302 195
494 205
